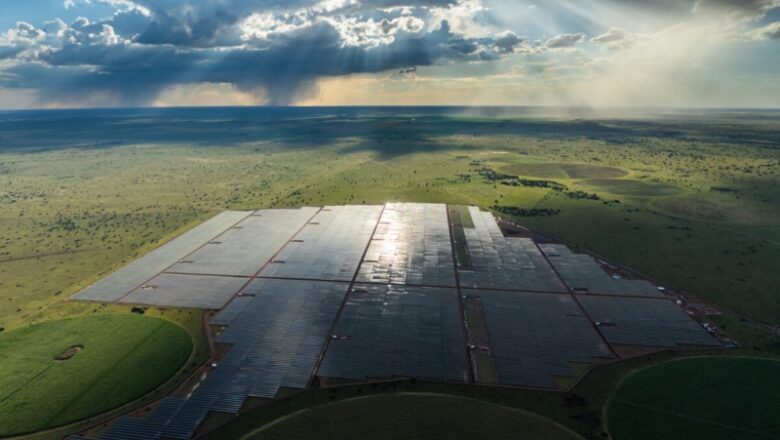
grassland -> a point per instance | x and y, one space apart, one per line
412 416
712 398
692 202
105 361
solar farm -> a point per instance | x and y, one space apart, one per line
316 296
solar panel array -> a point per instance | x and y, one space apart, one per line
397 331
537 335
276 330
188 291
247 246
499 262
329 247
411 245
645 322
280 278
276 340
116 285
229 313
583 272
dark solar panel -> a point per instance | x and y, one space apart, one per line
276 340
584 274
143 428
397 331
535 336
646 322
229 313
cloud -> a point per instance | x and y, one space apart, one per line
611 36
92 60
749 8
768 32
565 40
507 42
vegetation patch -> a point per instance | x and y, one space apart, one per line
108 360
634 188
706 397
412 416
526 212
563 170
719 207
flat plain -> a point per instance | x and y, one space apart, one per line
691 200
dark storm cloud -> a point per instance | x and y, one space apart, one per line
507 42
135 73
212 22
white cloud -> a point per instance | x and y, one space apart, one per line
461 17
565 40
768 32
612 35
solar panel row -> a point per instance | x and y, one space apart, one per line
276 334
397 331
410 246
187 291
329 247
537 335
644 322
498 262
116 285
583 273
247 246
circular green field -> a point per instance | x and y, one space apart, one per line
58 372
699 398
563 170
634 188
412 416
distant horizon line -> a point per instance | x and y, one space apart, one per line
392 106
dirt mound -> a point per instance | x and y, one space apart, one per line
69 353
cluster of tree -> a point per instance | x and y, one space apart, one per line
526 212
582 195
508 179
555 186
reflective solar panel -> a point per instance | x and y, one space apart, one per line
411 245
398 331
119 283
535 336
329 247
499 262
247 246
645 322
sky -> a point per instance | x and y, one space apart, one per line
591 53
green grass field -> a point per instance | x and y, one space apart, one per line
699 398
409 417
119 358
